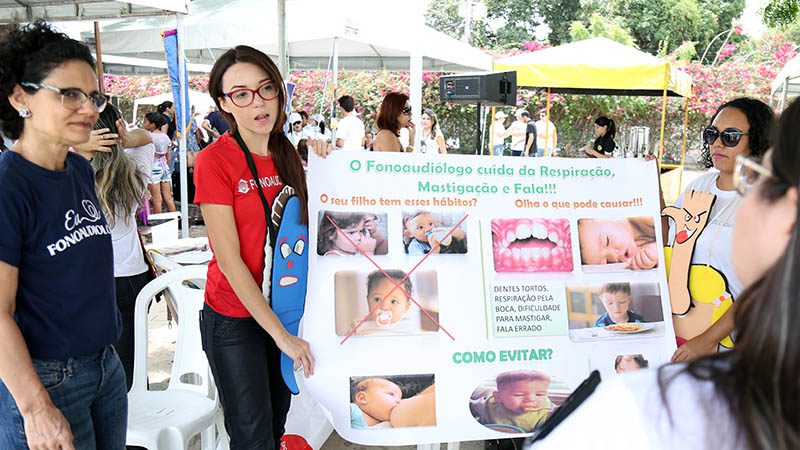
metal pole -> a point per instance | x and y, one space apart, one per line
335 80
415 69
283 47
478 149
685 130
491 132
467 21
183 130
99 55
547 125
663 114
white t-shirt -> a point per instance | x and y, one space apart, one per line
518 142
717 238
499 129
541 130
316 134
627 411
351 131
128 256
430 144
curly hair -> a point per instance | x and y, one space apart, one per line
761 119
29 54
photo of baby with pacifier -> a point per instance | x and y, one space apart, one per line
425 232
391 306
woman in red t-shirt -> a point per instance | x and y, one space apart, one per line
242 336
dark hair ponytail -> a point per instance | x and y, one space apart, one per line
604 121
287 160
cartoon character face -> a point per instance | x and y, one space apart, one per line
692 218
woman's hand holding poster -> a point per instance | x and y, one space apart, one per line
460 298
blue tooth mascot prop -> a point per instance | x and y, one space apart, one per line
286 270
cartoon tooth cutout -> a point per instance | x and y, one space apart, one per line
699 293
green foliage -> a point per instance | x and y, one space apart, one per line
600 26
781 13
559 16
516 17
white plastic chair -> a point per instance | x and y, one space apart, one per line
166 420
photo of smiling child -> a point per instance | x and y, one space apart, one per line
517 403
423 230
359 230
626 244
392 401
380 303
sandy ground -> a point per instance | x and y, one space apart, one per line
162 336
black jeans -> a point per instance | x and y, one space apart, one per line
127 289
245 363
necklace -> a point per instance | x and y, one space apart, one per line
728 210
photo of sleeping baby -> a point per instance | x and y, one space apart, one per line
396 401
356 230
423 230
517 401
382 304
612 245
614 310
532 245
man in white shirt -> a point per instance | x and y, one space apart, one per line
350 130
545 127
517 133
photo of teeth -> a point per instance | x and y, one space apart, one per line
532 245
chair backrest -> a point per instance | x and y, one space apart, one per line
190 369
161 262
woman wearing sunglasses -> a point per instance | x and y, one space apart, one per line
394 115
745 398
235 176
739 127
63 385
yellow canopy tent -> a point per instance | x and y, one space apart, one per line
600 66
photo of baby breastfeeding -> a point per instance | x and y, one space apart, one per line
615 310
365 230
517 401
396 401
612 245
380 304
532 245
423 230
630 363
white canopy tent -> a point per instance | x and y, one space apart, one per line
16 11
200 100
366 38
787 83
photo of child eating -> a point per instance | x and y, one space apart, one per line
389 309
422 231
392 401
615 310
622 244
366 231
514 402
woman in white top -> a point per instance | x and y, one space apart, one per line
121 182
321 131
744 398
739 127
432 138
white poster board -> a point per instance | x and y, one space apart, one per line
492 332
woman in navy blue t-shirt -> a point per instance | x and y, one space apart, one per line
62 384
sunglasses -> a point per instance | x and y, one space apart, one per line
729 138
407 110
747 172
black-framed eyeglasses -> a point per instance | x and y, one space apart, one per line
747 172
72 98
244 97
407 110
729 138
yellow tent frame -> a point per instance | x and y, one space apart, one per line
600 66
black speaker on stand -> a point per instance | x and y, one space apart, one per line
481 89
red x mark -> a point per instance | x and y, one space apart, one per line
397 285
